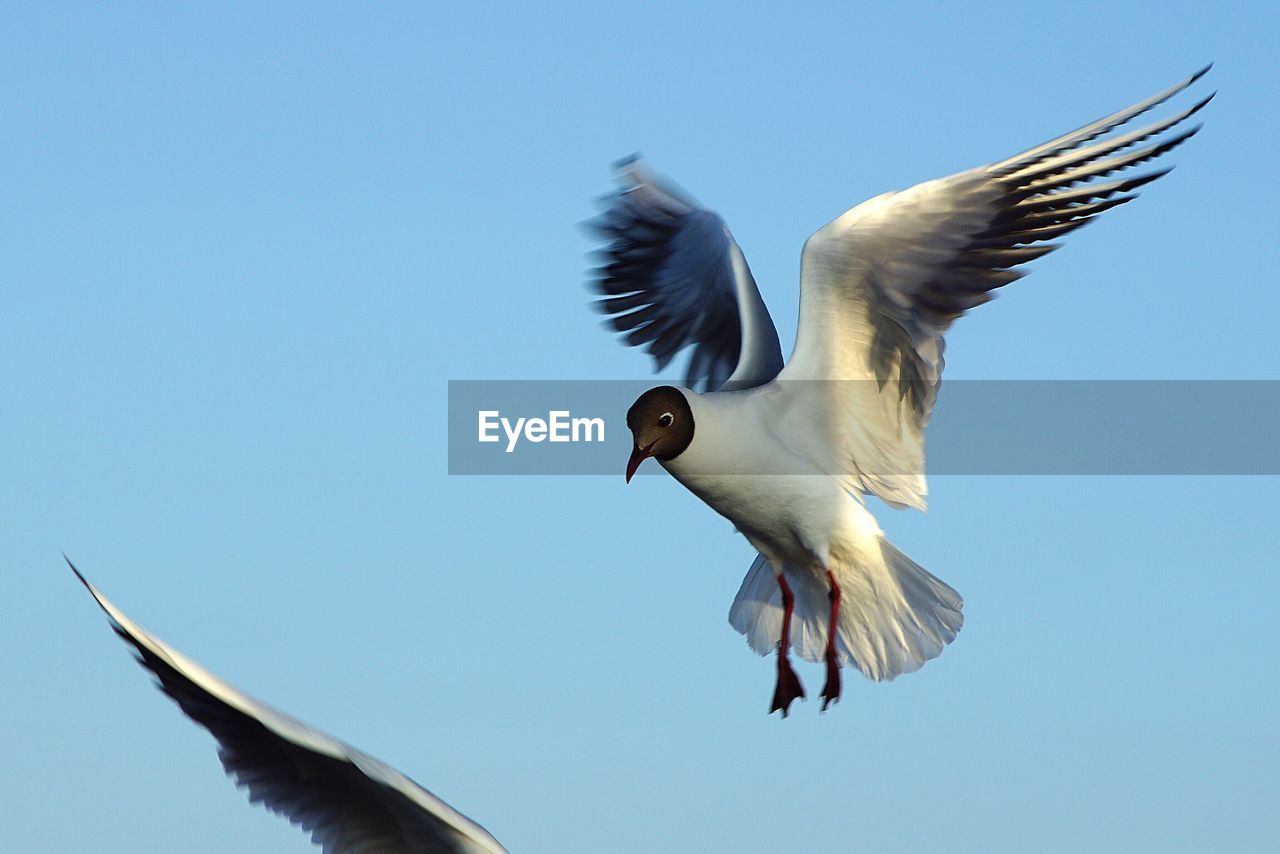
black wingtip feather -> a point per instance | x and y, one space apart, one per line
1142 180
623 162
1201 104
594 227
83 581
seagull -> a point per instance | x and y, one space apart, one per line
349 801
788 452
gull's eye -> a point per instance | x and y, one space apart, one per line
665 419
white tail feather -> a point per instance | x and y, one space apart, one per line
894 615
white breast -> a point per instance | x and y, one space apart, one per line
779 499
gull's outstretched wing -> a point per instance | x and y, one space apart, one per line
349 801
673 277
881 284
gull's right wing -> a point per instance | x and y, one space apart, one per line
673 277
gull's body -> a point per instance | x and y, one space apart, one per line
777 496
350 802
799 517
787 452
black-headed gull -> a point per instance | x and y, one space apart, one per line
349 801
786 453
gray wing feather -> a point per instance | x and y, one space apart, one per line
348 801
882 283
1043 193
674 278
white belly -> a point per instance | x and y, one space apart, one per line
795 518
778 499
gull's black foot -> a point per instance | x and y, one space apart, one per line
787 689
831 690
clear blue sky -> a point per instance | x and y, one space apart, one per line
246 248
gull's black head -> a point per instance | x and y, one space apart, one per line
661 425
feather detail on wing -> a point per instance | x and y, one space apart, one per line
882 283
349 801
673 277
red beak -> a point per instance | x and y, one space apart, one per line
638 455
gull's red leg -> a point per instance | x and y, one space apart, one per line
788 686
831 690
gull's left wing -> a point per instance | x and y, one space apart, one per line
881 284
350 802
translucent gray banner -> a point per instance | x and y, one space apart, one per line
1177 427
